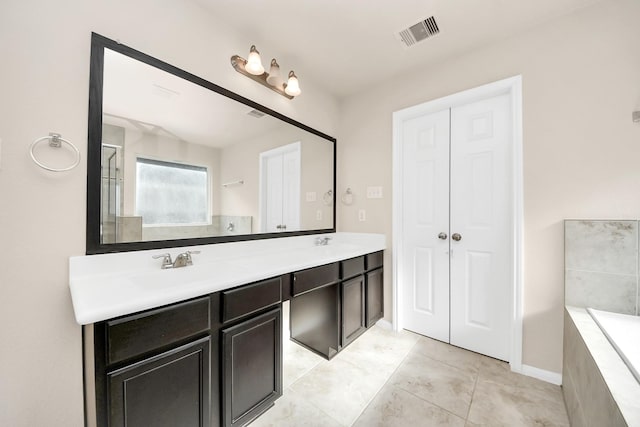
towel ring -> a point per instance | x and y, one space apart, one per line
347 197
327 198
55 141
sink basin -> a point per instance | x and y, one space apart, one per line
184 276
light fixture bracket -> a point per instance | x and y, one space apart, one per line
238 63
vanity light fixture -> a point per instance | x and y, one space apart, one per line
252 68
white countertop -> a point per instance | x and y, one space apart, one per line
112 285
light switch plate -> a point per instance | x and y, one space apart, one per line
311 196
374 192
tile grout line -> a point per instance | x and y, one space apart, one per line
600 272
415 395
473 394
384 385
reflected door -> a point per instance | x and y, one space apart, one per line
455 265
280 189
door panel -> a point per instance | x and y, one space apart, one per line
291 191
424 270
480 200
274 194
423 292
280 189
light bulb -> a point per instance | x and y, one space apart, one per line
254 63
275 78
293 88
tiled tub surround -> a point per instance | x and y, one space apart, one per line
598 387
601 265
112 285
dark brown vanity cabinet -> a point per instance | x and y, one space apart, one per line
374 296
353 309
171 389
315 309
211 361
333 304
353 299
374 288
154 368
251 367
216 360
251 361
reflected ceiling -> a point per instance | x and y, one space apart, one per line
137 95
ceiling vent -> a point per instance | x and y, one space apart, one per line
418 32
255 113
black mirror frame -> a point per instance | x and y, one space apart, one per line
94 149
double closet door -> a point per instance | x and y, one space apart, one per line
456 263
280 189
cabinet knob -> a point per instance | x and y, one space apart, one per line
456 236
442 236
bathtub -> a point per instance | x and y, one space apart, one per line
599 388
623 332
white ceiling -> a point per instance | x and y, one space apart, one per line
345 46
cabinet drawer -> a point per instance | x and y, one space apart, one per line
352 267
248 299
374 260
143 332
315 277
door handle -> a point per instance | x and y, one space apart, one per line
442 236
457 237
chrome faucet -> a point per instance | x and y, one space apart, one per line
322 241
182 260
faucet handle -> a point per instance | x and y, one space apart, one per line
166 260
188 255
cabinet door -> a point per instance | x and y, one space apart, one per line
353 323
251 367
375 297
171 389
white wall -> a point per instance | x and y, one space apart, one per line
581 81
241 161
44 82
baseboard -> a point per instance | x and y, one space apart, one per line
541 374
384 324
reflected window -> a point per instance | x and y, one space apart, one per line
170 193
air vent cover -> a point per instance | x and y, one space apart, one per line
255 113
418 32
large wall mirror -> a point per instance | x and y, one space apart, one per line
175 160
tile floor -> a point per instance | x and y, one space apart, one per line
403 379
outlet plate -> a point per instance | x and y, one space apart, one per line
319 215
362 215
